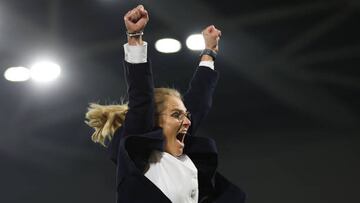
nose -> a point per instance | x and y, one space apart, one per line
186 122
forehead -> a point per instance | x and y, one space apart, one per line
174 103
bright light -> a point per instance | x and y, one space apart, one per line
195 42
45 71
167 45
17 74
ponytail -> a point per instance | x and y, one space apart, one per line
105 120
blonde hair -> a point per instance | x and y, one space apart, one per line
106 119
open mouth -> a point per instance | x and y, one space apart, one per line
181 137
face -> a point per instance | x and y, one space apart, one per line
174 124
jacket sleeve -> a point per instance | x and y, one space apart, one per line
140 86
133 143
198 98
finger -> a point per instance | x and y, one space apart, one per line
136 13
144 13
128 13
135 16
141 7
207 29
217 32
211 28
142 21
126 16
127 19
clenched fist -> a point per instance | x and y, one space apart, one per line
136 19
211 36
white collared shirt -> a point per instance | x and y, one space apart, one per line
176 177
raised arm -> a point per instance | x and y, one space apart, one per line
198 98
140 117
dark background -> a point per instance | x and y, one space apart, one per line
285 114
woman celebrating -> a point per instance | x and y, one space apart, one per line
152 138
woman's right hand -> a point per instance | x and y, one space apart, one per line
136 19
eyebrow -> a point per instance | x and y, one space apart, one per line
176 109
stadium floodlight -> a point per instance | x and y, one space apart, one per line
17 74
167 45
195 42
45 71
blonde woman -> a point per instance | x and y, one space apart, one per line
152 138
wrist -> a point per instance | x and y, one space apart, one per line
206 58
135 41
135 38
208 55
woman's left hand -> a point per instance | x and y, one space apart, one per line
211 36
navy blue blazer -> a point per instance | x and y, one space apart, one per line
133 143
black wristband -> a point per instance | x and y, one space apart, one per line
209 52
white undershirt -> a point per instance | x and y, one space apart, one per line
176 177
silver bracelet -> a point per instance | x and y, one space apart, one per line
135 34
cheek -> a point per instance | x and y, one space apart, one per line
169 128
